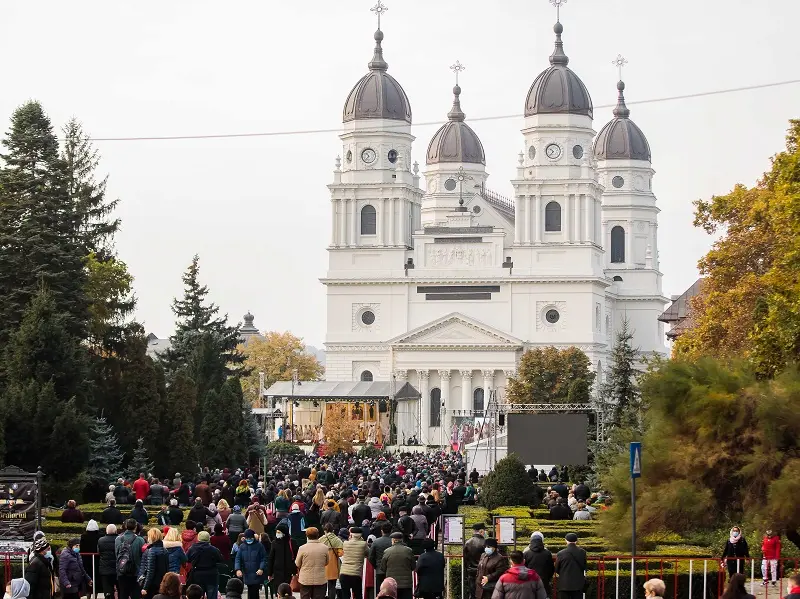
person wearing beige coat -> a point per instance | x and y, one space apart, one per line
355 551
311 560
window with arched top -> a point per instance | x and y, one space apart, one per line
477 401
552 216
436 407
369 220
366 376
617 245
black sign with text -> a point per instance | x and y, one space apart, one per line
17 509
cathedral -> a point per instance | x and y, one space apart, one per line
444 286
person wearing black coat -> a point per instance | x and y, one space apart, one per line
361 511
39 572
542 476
280 564
735 547
140 514
89 545
473 550
571 568
107 561
112 515
204 557
430 571
474 476
538 558
560 511
582 492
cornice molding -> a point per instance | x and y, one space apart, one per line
465 280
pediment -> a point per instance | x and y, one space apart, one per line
456 330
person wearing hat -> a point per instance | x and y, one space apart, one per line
236 523
539 559
17 588
140 514
376 551
204 557
280 565
112 515
251 564
39 572
430 571
570 567
89 545
354 551
473 550
71 574
398 563
491 567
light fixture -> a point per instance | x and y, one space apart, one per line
409 265
508 264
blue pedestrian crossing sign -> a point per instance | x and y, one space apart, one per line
636 460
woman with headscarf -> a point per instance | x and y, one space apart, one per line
18 588
280 565
735 552
388 589
89 545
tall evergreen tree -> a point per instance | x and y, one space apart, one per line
140 462
177 424
620 391
105 455
140 396
222 434
253 436
38 225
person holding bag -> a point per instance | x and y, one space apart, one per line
335 551
251 563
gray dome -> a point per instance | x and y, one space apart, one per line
377 95
455 141
557 90
621 139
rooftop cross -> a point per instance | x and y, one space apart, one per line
558 4
457 68
379 9
461 176
619 62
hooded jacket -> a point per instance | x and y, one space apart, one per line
20 588
541 560
204 558
155 564
188 538
280 564
519 582
71 573
375 506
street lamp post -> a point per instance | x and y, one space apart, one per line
295 381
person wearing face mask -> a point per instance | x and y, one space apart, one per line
735 552
491 567
250 564
39 572
280 565
17 588
71 573
473 550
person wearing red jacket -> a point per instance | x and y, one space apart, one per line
141 487
770 554
794 587
519 582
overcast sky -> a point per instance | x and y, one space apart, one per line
257 210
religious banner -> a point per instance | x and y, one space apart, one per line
17 509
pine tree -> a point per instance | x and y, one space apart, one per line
140 462
212 436
105 455
621 389
253 436
222 433
68 456
203 341
139 401
38 226
177 424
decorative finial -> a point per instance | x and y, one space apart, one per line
461 176
619 62
379 9
377 63
558 4
558 56
521 158
416 168
338 162
456 114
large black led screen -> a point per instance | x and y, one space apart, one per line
548 438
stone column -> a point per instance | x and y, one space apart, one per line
343 222
466 390
402 418
334 241
447 415
538 221
630 262
527 201
587 218
488 385
401 206
380 219
354 223
518 219
425 407
391 233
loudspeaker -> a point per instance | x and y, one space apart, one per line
501 420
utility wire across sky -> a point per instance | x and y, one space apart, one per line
438 122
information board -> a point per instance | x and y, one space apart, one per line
505 530
453 529
18 505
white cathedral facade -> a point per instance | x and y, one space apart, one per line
445 287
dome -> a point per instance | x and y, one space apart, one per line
621 139
557 90
377 95
455 141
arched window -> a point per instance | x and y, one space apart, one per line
366 376
477 401
368 220
617 245
552 217
436 406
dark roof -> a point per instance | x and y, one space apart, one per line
347 390
558 90
679 310
377 95
621 138
455 141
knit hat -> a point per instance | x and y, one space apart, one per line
237 508
537 534
571 538
491 542
249 534
92 526
204 537
40 545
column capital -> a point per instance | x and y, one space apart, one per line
466 374
401 374
510 373
487 373
423 374
445 374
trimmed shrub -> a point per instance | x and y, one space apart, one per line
281 448
509 484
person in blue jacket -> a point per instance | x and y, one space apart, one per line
251 563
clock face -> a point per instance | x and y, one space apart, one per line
553 151
368 156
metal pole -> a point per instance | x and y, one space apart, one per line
39 498
497 425
633 538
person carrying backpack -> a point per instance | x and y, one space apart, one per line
128 548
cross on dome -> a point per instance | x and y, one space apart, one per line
379 9
558 4
457 68
619 62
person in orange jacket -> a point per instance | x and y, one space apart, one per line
770 554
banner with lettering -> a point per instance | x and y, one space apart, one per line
17 510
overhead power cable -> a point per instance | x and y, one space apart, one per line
437 122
